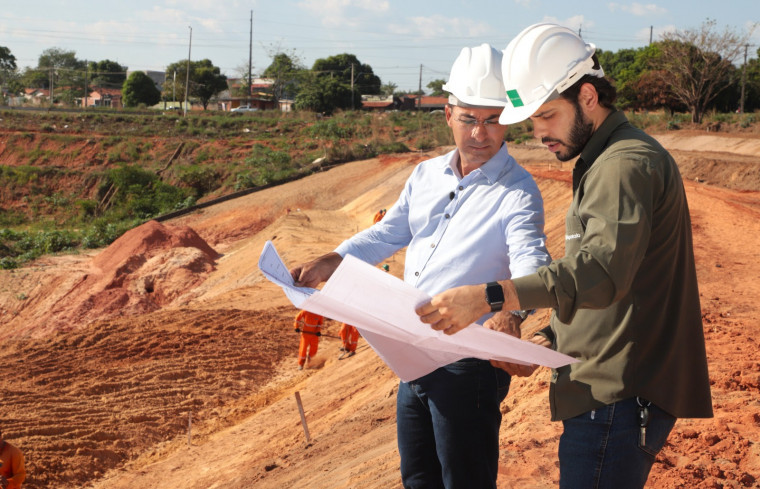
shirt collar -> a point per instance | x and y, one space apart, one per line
492 169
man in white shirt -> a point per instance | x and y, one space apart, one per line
470 216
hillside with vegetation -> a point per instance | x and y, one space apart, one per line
78 180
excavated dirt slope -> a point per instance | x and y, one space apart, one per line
167 360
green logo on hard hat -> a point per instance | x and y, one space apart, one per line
514 97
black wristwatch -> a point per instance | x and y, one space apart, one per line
494 296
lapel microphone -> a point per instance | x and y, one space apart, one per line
451 195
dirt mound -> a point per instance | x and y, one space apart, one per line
146 268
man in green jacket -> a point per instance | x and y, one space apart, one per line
625 296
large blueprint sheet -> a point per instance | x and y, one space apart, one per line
382 308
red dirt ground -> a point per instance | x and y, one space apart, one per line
167 360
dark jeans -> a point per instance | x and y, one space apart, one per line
448 426
603 450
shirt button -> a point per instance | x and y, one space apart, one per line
461 188
416 274
447 216
432 245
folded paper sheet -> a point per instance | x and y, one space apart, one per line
382 308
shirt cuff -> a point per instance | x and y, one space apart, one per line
532 293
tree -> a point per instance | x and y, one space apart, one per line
138 89
65 70
325 94
107 73
329 86
638 86
7 60
752 84
35 78
7 67
648 93
288 73
388 89
340 66
206 81
697 64
436 87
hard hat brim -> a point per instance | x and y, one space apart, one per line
513 115
476 102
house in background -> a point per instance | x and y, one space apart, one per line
425 102
37 96
380 103
103 97
261 97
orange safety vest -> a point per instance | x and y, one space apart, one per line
350 337
310 324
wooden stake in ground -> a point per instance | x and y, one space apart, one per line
303 417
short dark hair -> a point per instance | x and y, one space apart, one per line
605 88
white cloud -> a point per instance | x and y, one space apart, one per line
207 6
638 9
437 26
344 13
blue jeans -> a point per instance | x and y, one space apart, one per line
448 426
601 448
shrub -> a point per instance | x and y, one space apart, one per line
202 179
330 130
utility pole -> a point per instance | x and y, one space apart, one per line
85 84
352 87
744 79
419 91
250 63
650 34
52 71
187 70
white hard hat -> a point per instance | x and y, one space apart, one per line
475 78
540 62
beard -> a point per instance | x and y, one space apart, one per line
580 133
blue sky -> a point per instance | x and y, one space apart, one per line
400 40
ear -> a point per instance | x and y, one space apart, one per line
449 114
588 98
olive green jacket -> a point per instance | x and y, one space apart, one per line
625 295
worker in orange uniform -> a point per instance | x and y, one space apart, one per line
350 337
378 216
12 472
309 325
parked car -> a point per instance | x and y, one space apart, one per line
245 108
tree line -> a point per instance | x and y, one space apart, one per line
695 71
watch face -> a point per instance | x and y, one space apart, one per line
494 296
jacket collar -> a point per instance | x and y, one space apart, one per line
596 145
